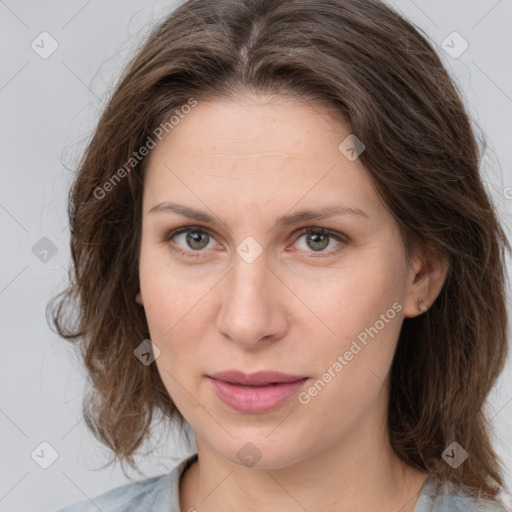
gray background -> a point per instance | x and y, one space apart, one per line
48 109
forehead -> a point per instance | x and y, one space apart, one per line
253 126
258 153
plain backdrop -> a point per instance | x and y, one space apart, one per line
49 106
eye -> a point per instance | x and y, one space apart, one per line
318 239
195 238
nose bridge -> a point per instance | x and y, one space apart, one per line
250 275
249 293
249 281
251 309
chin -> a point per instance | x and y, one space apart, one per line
261 452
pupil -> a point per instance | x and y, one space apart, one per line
314 238
194 238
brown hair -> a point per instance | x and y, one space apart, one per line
374 68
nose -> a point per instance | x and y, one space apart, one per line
254 309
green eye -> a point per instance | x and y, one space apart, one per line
197 238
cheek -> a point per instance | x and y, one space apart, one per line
353 298
177 306
365 337
167 295
176 326
350 371
360 309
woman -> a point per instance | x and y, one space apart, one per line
280 235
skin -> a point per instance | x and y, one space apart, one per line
293 309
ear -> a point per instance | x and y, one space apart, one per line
138 298
426 277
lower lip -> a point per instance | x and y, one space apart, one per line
255 399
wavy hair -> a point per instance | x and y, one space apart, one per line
384 77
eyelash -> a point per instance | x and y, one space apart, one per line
339 237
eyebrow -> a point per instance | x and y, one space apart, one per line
281 221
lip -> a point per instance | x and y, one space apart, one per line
261 378
255 393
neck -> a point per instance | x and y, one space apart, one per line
389 485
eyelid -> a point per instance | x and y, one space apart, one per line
338 236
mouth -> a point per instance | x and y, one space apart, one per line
262 378
255 393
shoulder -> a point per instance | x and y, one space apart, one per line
123 498
465 503
151 495
451 499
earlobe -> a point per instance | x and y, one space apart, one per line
138 298
422 308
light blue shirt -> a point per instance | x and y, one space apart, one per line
161 494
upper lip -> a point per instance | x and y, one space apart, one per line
255 379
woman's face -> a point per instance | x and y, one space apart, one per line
251 289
